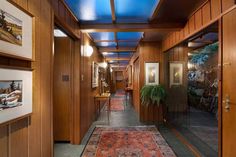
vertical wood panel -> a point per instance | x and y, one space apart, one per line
215 8
4 141
35 121
192 24
226 4
186 29
19 138
206 12
198 19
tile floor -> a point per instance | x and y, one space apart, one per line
120 119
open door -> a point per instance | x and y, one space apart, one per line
229 85
62 89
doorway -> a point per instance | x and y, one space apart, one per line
62 86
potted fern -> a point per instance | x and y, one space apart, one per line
153 96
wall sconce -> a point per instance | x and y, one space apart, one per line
88 51
103 65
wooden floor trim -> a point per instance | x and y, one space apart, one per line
192 148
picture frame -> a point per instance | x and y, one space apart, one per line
16 31
130 75
16 96
95 74
152 73
176 70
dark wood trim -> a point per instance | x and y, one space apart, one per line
113 13
220 75
65 27
120 49
15 120
202 28
131 27
156 11
70 11
183 140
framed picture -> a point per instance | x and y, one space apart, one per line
95 75
16 31
15 94
130 75
176 73
152 73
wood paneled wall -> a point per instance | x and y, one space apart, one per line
146 52
32 136
87 92
204 16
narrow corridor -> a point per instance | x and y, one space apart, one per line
124 118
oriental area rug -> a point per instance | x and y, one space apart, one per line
144 141
117 104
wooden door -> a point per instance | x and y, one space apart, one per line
62 89
229 85
136 90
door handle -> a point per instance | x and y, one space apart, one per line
227 103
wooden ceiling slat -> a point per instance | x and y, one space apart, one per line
117 59
113 14
120 49
132 27
156 11
133 40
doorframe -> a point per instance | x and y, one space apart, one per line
220 76
74 108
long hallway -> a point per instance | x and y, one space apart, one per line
66 67
124 119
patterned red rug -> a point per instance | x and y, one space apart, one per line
120 94
117 104
127 142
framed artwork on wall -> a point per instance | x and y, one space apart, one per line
15 94
176 73
151 73
95 74
16 31
130 75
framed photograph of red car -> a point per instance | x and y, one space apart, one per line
15 94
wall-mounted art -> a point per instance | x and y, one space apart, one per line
15 94
95 75
130 75
151 73
176 73
16 31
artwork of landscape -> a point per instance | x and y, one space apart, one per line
10 28
10 94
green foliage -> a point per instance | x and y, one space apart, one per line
152 94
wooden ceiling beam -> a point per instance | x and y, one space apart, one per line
156 11
133 40
117 59
132 27
120 49
113 13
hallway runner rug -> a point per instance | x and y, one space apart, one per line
117 104
120 94
127 142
